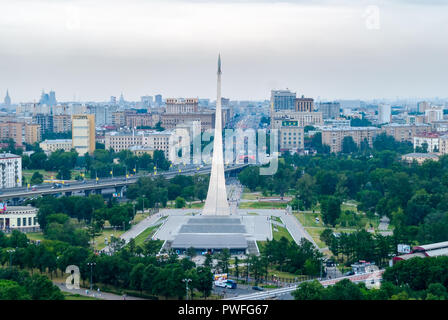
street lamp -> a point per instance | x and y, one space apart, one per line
10 251
186 280
91 264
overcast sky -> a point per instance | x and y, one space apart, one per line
328 49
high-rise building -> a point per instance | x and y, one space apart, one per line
384 113
7 99
146 101
330 110
62 123
12 130
304 104
10 170
52 99
283 100
32 133
45 121
121 101
113 100
83 133
422 106
159 101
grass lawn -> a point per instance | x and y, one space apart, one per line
140 239
252 213
308 219
262 205
198 205
275 218
35 236
279 232
139 217
71 296
107 233
47 174
251 196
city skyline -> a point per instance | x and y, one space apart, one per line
88 52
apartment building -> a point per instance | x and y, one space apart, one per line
10 170
333 137
405 132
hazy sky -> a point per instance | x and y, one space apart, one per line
327 48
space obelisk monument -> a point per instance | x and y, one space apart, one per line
216 202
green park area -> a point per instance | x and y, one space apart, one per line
280 232
145 235
106 233
262 205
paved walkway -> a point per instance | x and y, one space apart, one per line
94 294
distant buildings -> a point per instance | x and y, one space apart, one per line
10 170
158 100
83 133
304 104
384 113
330 110
283 100
7 100
303 118
189 105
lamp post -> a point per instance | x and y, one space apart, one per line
186 280
10 251
91 264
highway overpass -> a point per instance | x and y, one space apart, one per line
91 185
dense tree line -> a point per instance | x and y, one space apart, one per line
413 196
158 190
129 267
414 279
101 164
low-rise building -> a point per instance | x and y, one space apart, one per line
405 132
431 139
419 157
49 146
303 118
23 218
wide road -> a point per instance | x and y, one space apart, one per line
372 277
104 183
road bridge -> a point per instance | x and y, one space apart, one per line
91 185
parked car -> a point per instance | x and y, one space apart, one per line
257 288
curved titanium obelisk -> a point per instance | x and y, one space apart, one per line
216 203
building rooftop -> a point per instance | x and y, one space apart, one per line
8 156
421 155
210 241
